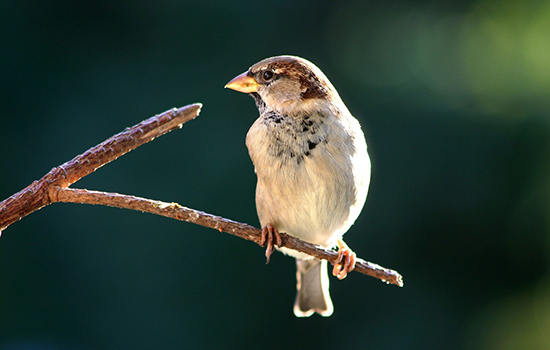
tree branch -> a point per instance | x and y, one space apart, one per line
36 195
53 187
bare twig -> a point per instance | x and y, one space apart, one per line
53 187
245 231
36 195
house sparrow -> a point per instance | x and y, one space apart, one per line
310 157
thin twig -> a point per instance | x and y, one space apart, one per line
36 195
53 187
245 231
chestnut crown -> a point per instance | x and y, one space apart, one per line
286 83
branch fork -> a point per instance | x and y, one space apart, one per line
54 188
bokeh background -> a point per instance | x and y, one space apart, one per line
454 98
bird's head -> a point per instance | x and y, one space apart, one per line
286 84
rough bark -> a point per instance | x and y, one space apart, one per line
54 187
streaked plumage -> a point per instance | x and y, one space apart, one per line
310 157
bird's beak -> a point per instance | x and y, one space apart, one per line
243 83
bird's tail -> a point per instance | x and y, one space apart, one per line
312 285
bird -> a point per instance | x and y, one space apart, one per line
312 167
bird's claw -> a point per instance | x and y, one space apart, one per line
270 237
345 262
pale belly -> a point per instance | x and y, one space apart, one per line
313 174
316 200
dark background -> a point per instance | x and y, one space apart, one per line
454 100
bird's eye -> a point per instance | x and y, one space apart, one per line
268 75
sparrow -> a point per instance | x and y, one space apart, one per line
312 166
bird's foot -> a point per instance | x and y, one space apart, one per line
345 262
270 237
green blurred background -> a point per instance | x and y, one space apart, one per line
454 100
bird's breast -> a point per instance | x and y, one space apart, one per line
307 181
